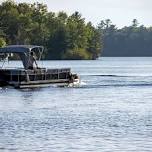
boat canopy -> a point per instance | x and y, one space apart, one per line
24 51
21 49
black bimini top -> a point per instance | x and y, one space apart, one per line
21 49
24 52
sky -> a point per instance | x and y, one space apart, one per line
120 12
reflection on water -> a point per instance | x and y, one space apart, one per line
110 111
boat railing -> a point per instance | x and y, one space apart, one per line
39 74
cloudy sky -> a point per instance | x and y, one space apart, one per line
121 12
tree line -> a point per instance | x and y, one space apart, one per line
133 40
64 37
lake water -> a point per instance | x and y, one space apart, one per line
110 111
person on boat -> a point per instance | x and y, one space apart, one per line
32 60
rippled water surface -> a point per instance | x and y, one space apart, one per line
110 111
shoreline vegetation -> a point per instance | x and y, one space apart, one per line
70 36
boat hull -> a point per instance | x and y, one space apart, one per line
40 78
42 83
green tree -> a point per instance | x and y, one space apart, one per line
9 19
94 41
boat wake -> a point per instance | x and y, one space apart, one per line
115 75
115 85
99 81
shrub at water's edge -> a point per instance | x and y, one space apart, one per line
78 54
2 42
